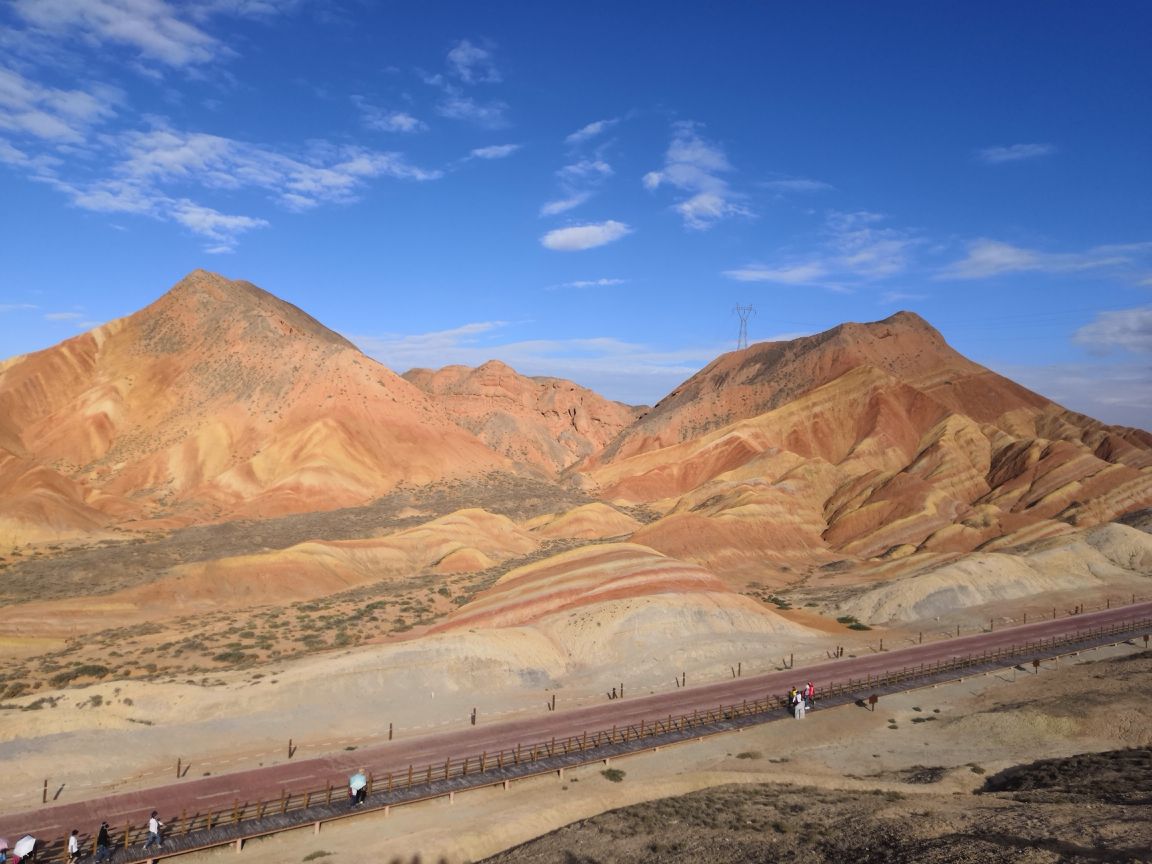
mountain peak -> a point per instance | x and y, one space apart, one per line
203 306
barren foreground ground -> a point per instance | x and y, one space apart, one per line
914 780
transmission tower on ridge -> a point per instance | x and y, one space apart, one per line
743 312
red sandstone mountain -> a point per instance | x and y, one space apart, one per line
549 423
867 440
217 401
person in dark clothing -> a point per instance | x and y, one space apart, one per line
103 844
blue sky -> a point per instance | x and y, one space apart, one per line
588 190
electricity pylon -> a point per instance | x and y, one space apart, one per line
743 312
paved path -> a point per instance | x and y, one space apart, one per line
53 822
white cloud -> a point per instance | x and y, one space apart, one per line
151 172
588 283
16 307
490 115
153 28
854 249
586 170
581 237
797 184
562 205
864 250
578 182
1127 329
1014 153
590 131
49 114
63 316
693 166
796 274
383 120
472 64
211 223
496 151
987 258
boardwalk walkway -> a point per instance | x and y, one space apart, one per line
300 808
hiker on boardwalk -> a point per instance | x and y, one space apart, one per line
358 787
798 705
154 826
74 846
103 844
810 696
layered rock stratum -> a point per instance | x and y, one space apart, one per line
217 401
866 442
869 471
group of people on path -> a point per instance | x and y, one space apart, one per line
104 844
801 700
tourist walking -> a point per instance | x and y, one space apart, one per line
154 826
74 846
358 787
810 695
103 844
798 706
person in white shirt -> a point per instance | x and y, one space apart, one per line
154 826
73 846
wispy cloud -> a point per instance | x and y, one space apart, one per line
63 316
853 249
17 307
469 64
579 181
496 151
800 185
472 64
865 249
1014 153
383 120
1126 329
152 171
563 205
156 30
796 274
693 166
588 283
590 131
987 258
457 106
580 237
32 110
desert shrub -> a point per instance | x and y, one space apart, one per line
88 670
233 656
613 774
16 688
